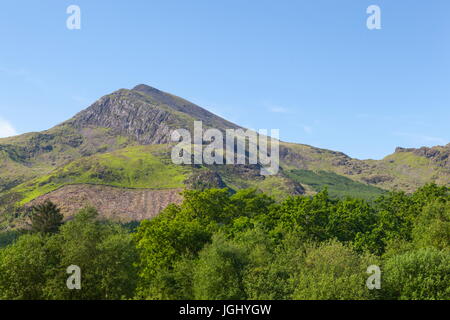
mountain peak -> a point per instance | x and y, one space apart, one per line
146 114
182 105
147 89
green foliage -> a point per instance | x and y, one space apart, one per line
218 273
350 218
219 245
34 267
8 237
302 248
396 215
268 268
24 267
104 252
45 217
161 243
331 271
432 227
418 275
306 216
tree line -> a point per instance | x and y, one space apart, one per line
243 245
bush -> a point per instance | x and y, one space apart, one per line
422 274
218 275
34 267
332 271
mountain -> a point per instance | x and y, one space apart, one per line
140 116
115 155
405 169
145 114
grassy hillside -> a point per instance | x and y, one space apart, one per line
142 116
338 186
303 167
406 169
32 155
133 167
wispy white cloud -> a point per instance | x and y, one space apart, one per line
6 129
277 109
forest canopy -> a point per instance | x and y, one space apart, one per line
244 245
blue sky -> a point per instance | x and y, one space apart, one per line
310 68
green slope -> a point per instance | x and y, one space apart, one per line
133 167
406 169
32 155
338 186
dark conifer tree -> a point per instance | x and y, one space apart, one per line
45 217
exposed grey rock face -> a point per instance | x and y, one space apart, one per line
438 154
400 149
375 179
206 179
146 114
126 114
186 107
